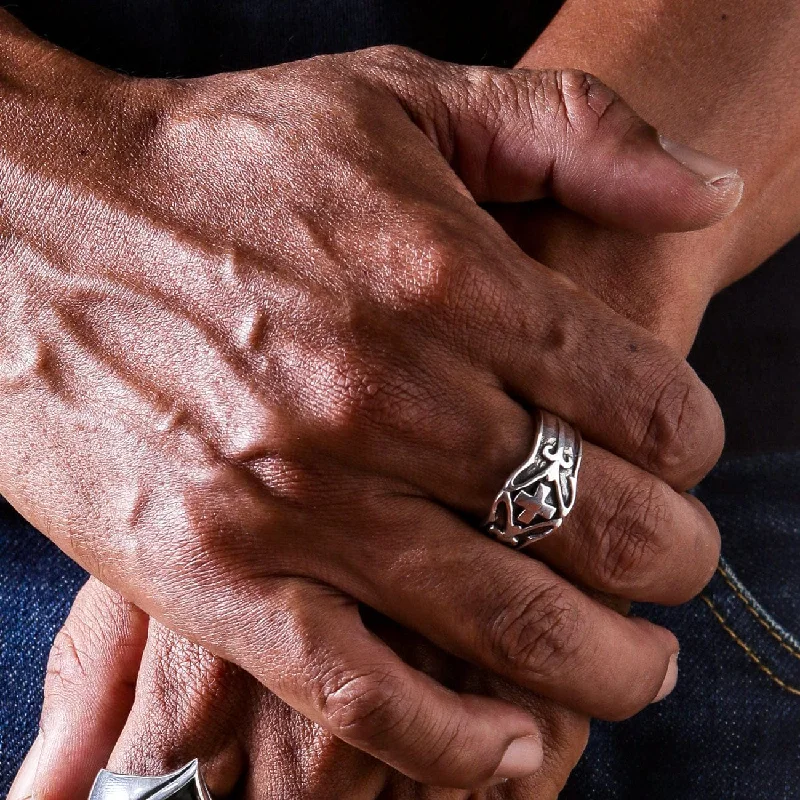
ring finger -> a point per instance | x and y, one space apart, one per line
629 534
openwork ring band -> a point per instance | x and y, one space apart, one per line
538 496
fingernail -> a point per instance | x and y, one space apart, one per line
670 679
22 788
524 756
711 170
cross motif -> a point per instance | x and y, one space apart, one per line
535 504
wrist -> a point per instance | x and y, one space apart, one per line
66 125
741 105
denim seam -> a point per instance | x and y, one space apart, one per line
748 650
783 638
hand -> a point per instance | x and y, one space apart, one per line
218 364
657 54
189 704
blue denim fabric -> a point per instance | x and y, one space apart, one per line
730 730
37 584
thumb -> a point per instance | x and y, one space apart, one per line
519 135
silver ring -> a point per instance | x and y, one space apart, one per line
539 495
185 784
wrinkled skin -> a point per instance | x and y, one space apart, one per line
189 704
266 359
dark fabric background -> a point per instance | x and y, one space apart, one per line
195 37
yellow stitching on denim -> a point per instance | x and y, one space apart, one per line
754 611
753 657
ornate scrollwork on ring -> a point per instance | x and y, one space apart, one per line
539 495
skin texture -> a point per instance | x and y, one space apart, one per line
190 704
213 353
679 73
722 77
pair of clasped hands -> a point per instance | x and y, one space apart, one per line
274 342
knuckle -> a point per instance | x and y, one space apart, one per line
209 510
628 537
452 282
577 98
465 303
89 638
364 708
579 103
496 92
395 64
68 664
537 633
188 666
184 681
436 258
369 394
396 54
480 299
664 441
214 504
682 435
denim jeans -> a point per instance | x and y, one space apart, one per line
732 727
37 584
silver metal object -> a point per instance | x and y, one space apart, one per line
539 495
185 784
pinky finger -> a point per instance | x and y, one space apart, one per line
89 691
